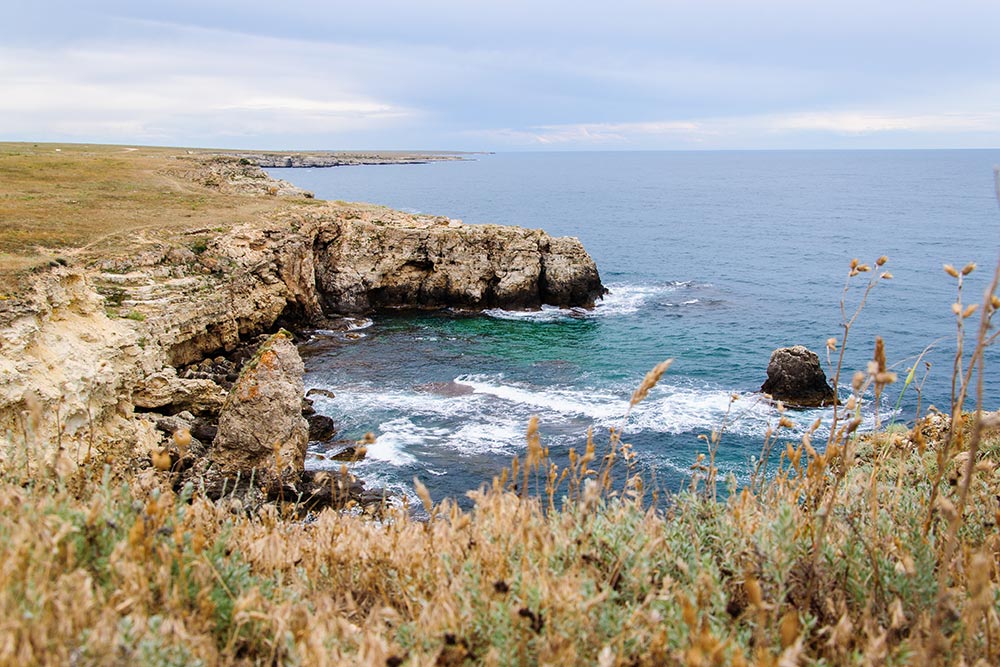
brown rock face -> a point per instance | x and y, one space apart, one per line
438 263
261 426
795 377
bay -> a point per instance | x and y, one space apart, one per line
712 258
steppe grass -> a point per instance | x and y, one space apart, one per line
875 549
74 202
845 549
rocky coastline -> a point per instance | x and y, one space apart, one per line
139 356
277 160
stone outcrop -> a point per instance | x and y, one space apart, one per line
242 175
90 344
365 264
340 159
166 392
795 377
261 428
66 369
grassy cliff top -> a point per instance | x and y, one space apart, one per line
72 202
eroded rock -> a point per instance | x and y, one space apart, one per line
366 263
164 389
795 377
261 427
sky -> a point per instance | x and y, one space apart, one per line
503 76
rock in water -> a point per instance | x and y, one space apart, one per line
364 265
261 426
795 377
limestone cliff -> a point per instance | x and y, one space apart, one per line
367 263
90 345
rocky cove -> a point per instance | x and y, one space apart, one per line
135 357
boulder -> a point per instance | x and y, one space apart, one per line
166 392
321 427
795 377
261 427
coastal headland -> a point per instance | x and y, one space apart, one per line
137 377
126 267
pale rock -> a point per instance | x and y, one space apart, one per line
261 427
164 389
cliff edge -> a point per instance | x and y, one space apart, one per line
91 340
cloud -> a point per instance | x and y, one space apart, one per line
859 123
721 132
458 75
592 133
203 85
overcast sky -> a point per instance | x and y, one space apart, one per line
510 75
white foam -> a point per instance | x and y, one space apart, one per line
677 410
561 401
683 410
468 423
356 323
392 439
495 436
621 299
545 314
629 298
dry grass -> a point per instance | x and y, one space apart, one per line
71 202
879 549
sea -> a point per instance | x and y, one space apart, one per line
712 259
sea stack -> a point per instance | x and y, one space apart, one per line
795 377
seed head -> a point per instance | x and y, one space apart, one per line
880 353
831 344
789 628
857 381
968 268
881 260
423 494
950 270
182 438
652 377
885 377
161 459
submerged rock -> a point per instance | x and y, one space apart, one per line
261 427
795 377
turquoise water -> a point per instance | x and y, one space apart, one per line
712 258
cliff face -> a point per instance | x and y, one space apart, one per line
436 263
92 344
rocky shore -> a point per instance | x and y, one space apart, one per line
97 357
273 160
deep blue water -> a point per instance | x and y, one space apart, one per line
713 259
